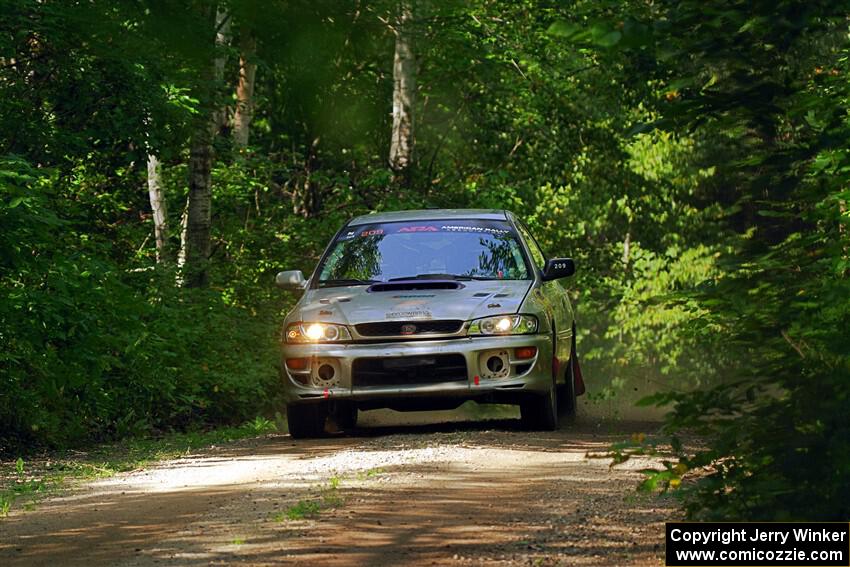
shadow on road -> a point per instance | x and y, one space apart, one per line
414 493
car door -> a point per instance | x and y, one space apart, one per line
553 295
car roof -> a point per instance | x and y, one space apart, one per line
429 214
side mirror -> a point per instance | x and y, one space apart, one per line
557 268
290 279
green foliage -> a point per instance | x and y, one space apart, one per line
303 509
92 351
364 475
762 83
20 486
329 498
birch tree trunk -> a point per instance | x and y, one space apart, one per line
245 90
184 230
222 39
196 246
160 214
404 93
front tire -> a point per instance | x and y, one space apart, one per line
307 420
540 412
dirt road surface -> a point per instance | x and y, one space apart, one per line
467 493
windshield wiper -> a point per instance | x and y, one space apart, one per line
345 281
440 277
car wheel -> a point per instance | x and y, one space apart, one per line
306 420
541 412
346 415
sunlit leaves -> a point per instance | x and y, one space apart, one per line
603 33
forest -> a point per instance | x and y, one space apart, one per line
161 161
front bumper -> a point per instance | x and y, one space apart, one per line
529 376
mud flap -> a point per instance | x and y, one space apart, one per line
578 381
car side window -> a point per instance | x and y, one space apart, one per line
536 253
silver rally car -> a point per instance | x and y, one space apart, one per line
422 310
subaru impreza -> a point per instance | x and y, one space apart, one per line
427 309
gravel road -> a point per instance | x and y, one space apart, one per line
468 493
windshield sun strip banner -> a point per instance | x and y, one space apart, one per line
465 226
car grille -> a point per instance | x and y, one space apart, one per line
399 371
408 328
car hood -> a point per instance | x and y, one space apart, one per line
352 305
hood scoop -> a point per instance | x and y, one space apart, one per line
412 285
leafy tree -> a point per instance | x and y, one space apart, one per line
759 83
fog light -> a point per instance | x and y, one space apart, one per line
495 364
326 372
524 353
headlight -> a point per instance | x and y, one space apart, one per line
504 325
316 333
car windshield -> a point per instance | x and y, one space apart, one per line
457 249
